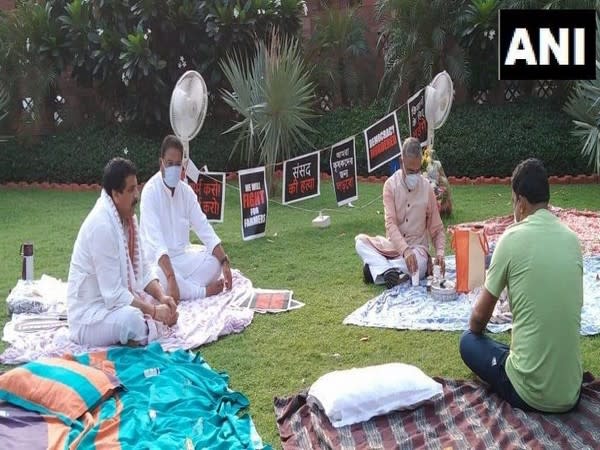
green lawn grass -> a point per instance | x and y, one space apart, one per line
281 354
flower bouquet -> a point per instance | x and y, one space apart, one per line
432 169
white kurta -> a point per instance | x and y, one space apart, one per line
97 287
166 219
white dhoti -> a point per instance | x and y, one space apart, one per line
379 263
118 326
194 270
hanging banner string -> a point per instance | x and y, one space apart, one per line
324 149
233 186
327 148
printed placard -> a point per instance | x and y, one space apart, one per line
211 195
253 202
343 171
382 140
301 178
417 122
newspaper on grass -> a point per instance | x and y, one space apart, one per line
269 301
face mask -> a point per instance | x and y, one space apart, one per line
412 180
171 175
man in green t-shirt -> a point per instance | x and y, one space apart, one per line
539 261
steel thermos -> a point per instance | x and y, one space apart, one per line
27 255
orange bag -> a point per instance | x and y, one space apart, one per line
470 247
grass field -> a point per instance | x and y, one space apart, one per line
281 354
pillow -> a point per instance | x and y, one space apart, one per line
57 386
356 395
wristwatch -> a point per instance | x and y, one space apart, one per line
224 260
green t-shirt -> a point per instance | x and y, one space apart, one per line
539 260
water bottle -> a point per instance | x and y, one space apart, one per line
437 274
148 373
27 255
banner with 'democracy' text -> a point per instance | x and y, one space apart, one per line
382 140
254 202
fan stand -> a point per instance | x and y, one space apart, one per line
186 156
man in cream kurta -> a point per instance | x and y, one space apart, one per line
107 273
169 208
411 219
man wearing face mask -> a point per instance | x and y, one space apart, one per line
169 208
539 260
108 273
411 218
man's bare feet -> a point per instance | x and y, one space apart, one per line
214 288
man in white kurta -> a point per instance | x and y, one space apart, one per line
169 208
107 273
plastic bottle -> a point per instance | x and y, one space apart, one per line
148 373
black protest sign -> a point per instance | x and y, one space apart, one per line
211 195
417 123
343 171
253 202
382 141
301 178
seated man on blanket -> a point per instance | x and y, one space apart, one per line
168 209
107 271
411 217
540 261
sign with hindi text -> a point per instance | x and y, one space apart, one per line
382 140
343 171
211 195
254 202
417 123
301 178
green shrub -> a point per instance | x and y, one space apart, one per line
78 156
476 140
491 140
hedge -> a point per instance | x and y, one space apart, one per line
476 140
78 156
482 140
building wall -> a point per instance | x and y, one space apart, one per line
7 5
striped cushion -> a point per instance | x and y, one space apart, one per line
57 386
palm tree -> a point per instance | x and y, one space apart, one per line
273 95
31 56
337 48
584 106
418 40
477 25
4 101
551 4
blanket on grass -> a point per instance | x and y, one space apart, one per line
411 308
200 322
586 224
468 416
187 405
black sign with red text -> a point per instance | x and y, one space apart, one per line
301 177
211 195
343 171
417 123
254 202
